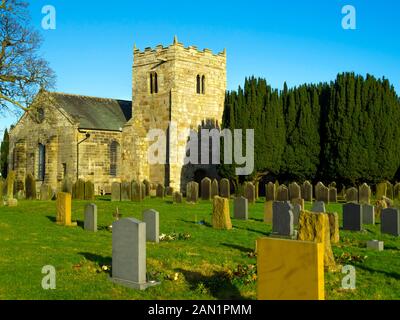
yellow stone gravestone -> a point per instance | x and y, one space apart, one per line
221 218
64 209
268 211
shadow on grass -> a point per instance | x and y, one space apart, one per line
258 220
203 223
389 247
393 275
99 260
51 218
237 247
253 230
218 284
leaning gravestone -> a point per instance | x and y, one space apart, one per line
283 193
332 194
270 192
177 197
126 191
116 191
46 193
318 206
390 221
147 187
90 223
381 190
129 254
221 218
368 214
250 192
152 220
30 187
225 189
294 191
352 217
160 191
282 219
89 191
241 208
352 195
192 192
307 191
364 194
214 188
206 189
136 191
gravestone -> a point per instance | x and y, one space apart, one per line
90 223
375 245
294 191
307 191
225 188
129 254
323 194
250 192
116 191
352 217
334 227
381 189
241 208
152 220
142 191
270 192
283 193
206 189
332 194
282 219
317 191
80 190
10 201
46 193
67 186
352 195
364 194
318 206
192 192
177 197
296 213
137 191
63 205
126 192
396 191
368 214
160 191
390 221
298 201
30 187
389 190
147 187
89 191
169 191
268 208
276 189
214 188
221 218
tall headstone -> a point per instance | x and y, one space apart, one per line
332 194
334 226
11 201
389 190
390 221
250 192
352 216
160 191
270 192
192 192
381 190
46 193
352 195
396 191
318 206
89 191
126 191
268 209
116 191
147 187
129 254
80 189
317 191
90 223
283 193
30 187
63 205
364 195
296 213
142 191
137 191
206 189
214 188
241 208
67 186
152 220
282 219
225 188
307 191
368 214
177 197
294 191
298 201
221 218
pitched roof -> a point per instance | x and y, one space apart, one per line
95 113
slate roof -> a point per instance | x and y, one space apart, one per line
95 113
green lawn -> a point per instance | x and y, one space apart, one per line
211 264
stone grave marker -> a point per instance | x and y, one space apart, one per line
296 213
318 206
221 218
375 245
270 192
352 195
169 191
160 191
89 191
30 187
307 191
90 223
334 226
177 197
250 192
46 193
381 190
390 221
63 205
225 189
147 187
268 208
192 192
352 217
116 191
294 191
214 188
126 192
282 219
136 191
152 219
368 214
283 193
364 195
206 189
241 208
333 194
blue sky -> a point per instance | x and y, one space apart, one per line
292 41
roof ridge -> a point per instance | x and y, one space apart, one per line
85 96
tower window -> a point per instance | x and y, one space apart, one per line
201 84
198 89
153 82
42 162
114 151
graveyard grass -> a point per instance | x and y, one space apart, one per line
211 264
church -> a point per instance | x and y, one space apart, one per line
67 136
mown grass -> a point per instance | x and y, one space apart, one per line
211 264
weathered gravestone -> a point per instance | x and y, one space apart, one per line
250 192
63 205
10 201
294 191
147 187
116 191
307 191
318 206
352 195
375 245
177 197
214 188
334 226
368 214
169 191
396 191
322 193
332 194
192 192
352 217
283 193
282 219
79 190
89 191
152 220
160 191
142 191
126 192
129 254
268 209
298 201
390 221
221 218
90 223
30 187
46 193
67 186
381 190
206 189
364 194
241 208
389 190
270 192
225 188
296 213
137 191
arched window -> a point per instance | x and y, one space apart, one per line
41 162
203 84
153 82
198 89
114 158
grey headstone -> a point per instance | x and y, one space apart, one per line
206 189
282 193
318 206
332 194
294 191
126 191
390 221
352 217
46 193
375 245
282 218
307 191
137 191
214 188
129 254
90 223
152 220
89 190
368 214
296 213
241 208
116 191
250 192
225 188
352 195
270 192
192 192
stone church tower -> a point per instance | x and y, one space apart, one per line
177 85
